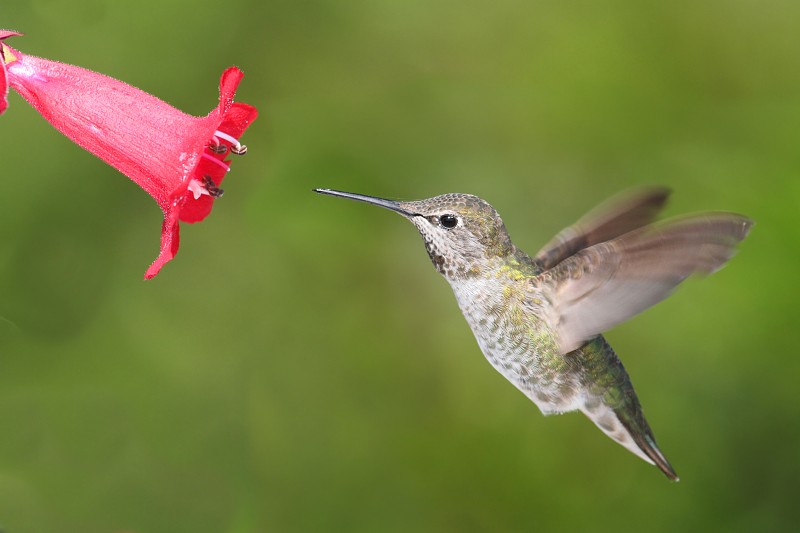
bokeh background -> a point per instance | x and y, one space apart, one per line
300 366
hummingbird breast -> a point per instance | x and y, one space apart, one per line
506 311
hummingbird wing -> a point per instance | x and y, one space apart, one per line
620 214
608 283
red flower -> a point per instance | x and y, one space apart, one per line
3 77
177 158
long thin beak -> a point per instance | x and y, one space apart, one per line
388 204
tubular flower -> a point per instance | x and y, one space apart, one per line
179 159
4 34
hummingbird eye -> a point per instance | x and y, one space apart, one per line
448 221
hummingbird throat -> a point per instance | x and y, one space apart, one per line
437 259
452 263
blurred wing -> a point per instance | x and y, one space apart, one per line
608 283
617 216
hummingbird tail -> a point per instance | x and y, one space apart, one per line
633 433
648 445
611 403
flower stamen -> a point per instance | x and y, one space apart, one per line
211 187
217 148
197 190
206 186
236 147
223 164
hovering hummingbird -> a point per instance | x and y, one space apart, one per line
539 320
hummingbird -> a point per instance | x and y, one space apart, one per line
539 320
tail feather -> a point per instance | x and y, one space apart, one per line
639 440
611 403
648 445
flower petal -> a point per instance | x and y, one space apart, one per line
228 83
194 210
4 34
3 84
237 119
170 239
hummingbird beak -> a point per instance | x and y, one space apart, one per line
388 204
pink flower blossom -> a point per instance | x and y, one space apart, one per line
179 159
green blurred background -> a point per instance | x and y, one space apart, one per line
300 366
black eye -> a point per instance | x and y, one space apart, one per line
448 221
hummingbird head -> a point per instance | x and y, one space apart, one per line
462 232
